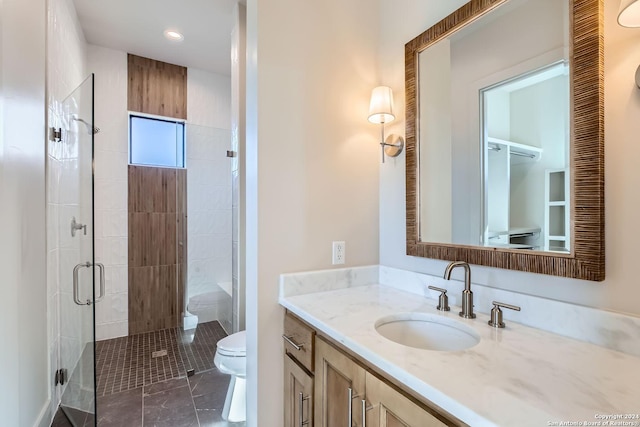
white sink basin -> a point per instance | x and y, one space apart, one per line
427 331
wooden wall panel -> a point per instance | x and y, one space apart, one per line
152 298
157 264
152 239
157 87
152 189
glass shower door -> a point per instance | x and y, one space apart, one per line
81 280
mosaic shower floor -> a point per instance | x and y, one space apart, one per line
128 362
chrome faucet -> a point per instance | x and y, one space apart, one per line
467 295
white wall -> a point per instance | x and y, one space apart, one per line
209 194
512 44
111 189
622 107
238 166
209 223
24 388
541 112
435 152
312 162
208 99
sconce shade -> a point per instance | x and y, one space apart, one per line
629 13
381 106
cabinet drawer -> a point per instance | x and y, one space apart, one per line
299 340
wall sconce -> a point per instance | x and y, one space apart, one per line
381 112
629 16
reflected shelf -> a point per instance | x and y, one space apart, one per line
515 149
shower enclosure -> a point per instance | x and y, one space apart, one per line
77 281
180 225
208 293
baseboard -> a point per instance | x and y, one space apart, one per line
44 418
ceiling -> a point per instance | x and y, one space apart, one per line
137 26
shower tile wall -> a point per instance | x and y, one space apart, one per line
209 135
155 293
66 68
208 104
238 125
209 224
111 160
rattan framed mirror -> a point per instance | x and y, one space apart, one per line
585 257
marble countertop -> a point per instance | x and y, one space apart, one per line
517 376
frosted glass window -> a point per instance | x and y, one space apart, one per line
156 142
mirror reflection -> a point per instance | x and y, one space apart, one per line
494 130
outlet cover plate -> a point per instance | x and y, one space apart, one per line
338 253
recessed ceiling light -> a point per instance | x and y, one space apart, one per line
173 35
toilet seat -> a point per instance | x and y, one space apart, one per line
235 345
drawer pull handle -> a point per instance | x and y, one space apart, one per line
290 341
350 411
351 396
301 400
365 408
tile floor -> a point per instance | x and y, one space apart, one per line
135 389
195 401
127 363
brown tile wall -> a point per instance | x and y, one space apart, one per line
181 233
157 87
157 220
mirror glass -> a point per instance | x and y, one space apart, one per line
494 129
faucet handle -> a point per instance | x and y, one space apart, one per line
496 313
443 300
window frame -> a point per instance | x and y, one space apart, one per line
136 114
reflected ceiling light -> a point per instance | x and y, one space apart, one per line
629 13
381 111
629 16
173 35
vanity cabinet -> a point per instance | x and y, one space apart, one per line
298 394
386 407
299 342
339 388
345 391
328 387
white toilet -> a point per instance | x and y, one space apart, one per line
231 358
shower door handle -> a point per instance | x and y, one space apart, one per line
102 290
76 297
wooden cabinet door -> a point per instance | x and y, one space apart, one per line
339 386
298 395
388 408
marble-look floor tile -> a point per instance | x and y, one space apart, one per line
173 402
121 409
60 420
213 418
164 386
90 421
209 389
180 402
170 408
70 417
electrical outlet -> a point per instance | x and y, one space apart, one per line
339 252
